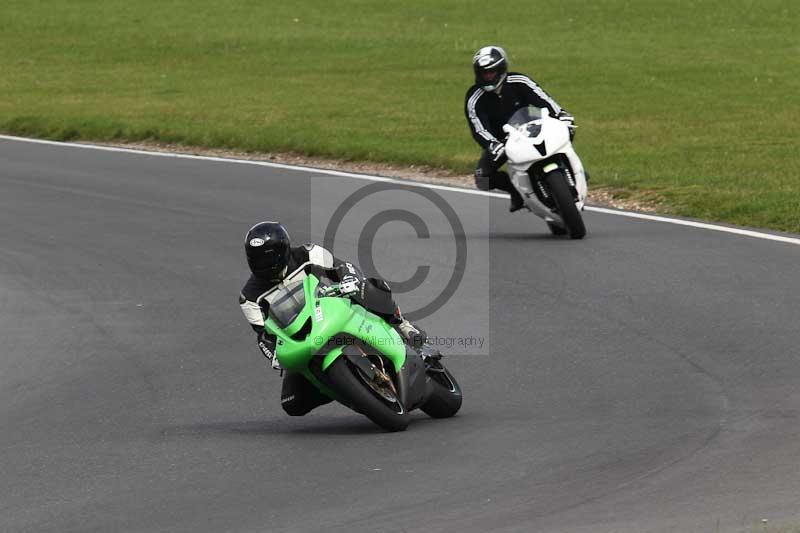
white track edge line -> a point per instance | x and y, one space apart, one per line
297 168
410 183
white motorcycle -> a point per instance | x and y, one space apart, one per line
546 171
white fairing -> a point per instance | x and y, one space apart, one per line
524 148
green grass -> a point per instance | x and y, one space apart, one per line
694 101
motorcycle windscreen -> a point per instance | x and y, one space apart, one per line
287 301
529 118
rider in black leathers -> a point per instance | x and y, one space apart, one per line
271 259
488 105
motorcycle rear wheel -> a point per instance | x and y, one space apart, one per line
348 382
445 400
562 196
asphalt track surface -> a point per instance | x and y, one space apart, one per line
644 379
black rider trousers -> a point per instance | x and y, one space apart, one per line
489 176
299 396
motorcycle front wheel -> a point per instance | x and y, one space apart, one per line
382 406
562 196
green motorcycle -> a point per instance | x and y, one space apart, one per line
353 356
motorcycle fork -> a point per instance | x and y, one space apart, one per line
373 371
539 170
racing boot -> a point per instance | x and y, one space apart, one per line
517 202
502 181
415 337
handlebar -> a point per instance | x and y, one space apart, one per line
350 285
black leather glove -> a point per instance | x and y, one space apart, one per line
498 150
351 280
350 285
266 343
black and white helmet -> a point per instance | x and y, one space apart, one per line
491 65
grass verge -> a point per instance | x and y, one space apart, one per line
691 102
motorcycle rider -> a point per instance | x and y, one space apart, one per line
271 259
488 105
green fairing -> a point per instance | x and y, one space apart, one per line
336 315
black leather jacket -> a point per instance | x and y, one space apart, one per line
374 293
487 112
